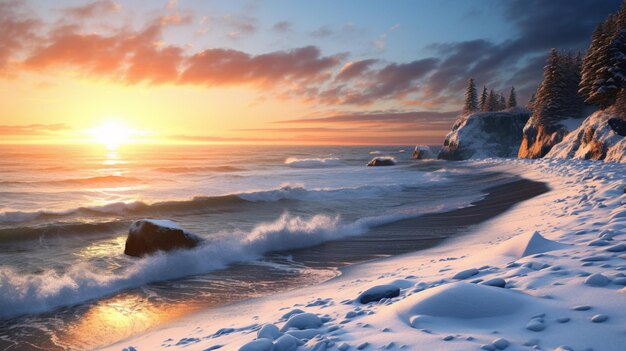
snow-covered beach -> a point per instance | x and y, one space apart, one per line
548 275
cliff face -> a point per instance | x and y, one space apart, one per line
538 139
600 137
485 134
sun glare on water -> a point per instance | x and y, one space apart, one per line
113 134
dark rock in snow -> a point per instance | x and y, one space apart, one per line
147 236
381 161
379 292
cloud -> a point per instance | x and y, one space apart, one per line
282 27
92 9
32 129
379 117
17 28
354 69
214 67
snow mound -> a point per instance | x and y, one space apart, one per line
485 134
527 244
597 138
462 301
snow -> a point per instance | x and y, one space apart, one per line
576 144
548 288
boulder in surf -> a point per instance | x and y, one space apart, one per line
147 236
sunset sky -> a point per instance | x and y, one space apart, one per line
327 72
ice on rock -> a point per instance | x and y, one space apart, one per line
597 280
527 244
466 274
258 345
379 292
302 321
269 331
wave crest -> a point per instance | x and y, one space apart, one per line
312 162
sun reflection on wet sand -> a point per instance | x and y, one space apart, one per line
118 318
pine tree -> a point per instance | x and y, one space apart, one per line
471 98
512 101
557 97
492 101
483 100
501 103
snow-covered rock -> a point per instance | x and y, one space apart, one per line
303 321
147 236
597 138
382 161
379 292
485 134
538 139
423 152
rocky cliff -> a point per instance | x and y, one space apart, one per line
601 136
538 139
485 134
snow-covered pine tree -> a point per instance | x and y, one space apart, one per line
603 90
512 100
483 100
549 102
471 98
589 61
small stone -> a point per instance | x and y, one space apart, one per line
581 308
563 319
535 325
488 347
599 318
597 280
448 338
501 343
497 282
363 346
466 274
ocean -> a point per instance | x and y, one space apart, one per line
268 214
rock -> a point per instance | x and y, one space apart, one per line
563 319
363 345
497 282
258 345
302 321
287 343
581 308
485 134
597 279
147 236
501 343
466 274
616 248
382 161
619 281
597 258
597 138
291 313
269 331
379 292
563 348
488 347
599 318
535 325
423 152
538 140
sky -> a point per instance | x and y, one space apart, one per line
269 72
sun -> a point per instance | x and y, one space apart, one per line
113 133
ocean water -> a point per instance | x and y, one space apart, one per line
65 211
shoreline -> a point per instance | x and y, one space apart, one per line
434 267
449 225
